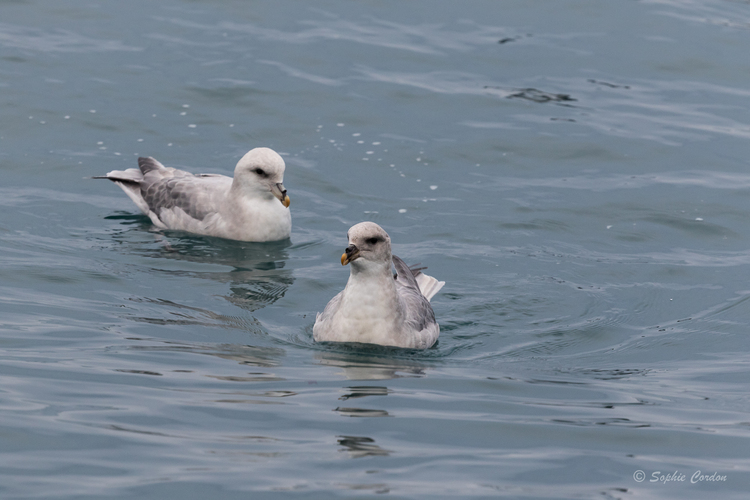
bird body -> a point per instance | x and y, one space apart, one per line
375 307
252 206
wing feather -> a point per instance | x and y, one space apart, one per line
321 319
419 313
179 189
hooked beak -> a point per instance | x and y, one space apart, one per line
351 253
280 193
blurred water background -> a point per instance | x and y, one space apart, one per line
575 170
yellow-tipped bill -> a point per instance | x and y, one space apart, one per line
279 192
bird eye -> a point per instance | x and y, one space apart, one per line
372 241
260 172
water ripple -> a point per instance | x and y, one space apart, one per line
422 39
59 40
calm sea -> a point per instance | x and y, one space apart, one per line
575 170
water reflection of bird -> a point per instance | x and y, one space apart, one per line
258 277
363 391
255 272
362 446
252 206
359 366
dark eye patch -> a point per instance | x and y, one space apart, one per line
374 240
260 172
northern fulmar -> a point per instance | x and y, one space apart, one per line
252 206
377 307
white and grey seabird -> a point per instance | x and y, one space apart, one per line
252 206
375 307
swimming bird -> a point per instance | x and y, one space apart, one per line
252 206
377 307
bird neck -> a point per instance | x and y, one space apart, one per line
370 270
370 295
364 279
241 189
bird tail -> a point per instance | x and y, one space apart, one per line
130 182
129 176
428 285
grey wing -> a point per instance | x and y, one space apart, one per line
180 189
419 313
319 329
406 275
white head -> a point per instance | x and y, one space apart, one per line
369 247
261 170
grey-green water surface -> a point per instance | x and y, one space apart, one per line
576 171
